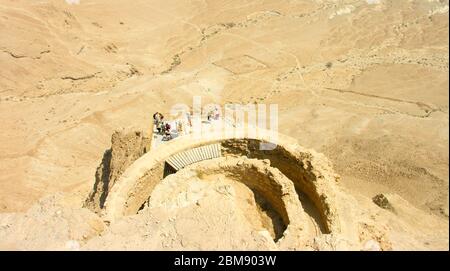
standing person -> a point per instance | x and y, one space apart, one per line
210 115
180 127
158 117
158 128
187 123
167 133
161 127
216 113
156 121
188 116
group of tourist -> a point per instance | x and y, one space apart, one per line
182 125
213 114
162 127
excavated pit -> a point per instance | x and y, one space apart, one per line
276 204
296 168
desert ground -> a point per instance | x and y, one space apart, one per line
365 83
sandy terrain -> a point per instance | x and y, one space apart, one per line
363 82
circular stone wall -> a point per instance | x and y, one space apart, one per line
270 188
310 172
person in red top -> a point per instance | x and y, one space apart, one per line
167 133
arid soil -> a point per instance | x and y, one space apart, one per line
363 82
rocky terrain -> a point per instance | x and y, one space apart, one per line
363 82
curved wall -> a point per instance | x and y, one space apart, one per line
310 172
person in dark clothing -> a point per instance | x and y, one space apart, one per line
167 134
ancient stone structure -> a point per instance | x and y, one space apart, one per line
281 175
